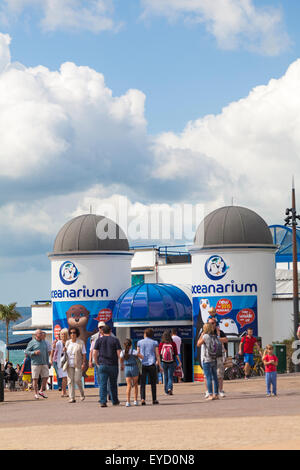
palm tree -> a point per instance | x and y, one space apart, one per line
8 314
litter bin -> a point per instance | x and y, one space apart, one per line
280 352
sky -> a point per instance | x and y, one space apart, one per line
151 102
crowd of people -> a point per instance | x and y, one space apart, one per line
141 365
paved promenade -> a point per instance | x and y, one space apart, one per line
245 419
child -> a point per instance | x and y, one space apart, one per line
270 361
129 358
212 314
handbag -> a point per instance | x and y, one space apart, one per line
65 362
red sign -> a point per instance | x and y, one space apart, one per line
57 330
105 315
224 306
245 316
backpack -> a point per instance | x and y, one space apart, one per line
214 347
167 353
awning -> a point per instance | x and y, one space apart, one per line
19 345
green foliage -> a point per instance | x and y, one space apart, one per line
8 314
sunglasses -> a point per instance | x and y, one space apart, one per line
72 332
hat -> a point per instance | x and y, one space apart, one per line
101 323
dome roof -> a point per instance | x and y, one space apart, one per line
80 234
233 225
152 302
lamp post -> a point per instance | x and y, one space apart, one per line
291 220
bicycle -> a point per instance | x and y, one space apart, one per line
236 371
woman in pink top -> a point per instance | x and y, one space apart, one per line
270 361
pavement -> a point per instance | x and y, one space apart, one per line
244 419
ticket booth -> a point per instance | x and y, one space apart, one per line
160 307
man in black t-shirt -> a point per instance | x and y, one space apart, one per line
106 353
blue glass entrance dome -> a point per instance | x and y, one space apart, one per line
153 302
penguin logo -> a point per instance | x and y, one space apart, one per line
68 273
229 327
215 268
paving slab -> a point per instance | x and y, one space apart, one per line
244 419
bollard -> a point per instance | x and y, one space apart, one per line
1 384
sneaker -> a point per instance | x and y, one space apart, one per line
72 400
143 403
268 395
42 394
206 395
103 405
128 404
170 392
82 398
155 402
36 397
222 394
136 403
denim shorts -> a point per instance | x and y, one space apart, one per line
249 358
131 371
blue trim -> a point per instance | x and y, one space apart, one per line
233 247
90 253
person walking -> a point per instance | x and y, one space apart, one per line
211 345
220 359
26 373
148 348
177 340
270 361
168 353
76 363
106 353
37 350
246 348
94 338
56 355
129 358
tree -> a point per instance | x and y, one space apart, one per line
8 314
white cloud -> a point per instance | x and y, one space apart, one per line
255 140
73 15
67 124
234 23
5 40
68 143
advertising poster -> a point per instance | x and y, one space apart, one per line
84 315
234 315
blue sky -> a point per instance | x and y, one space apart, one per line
180 101
179 67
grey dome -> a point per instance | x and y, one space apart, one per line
79 234
233 225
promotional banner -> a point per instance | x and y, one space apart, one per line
222 282
84 291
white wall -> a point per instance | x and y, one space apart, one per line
283 325
41 315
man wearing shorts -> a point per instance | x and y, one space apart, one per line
246 347
38 352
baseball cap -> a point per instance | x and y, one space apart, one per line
101 323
